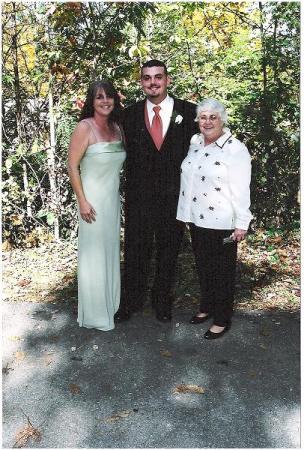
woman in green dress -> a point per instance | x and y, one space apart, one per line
96 156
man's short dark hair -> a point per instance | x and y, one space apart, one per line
154 63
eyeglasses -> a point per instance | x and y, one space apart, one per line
212 118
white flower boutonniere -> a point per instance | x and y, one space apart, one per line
176 118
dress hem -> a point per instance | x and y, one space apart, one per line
95 328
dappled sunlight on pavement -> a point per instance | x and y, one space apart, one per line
149 384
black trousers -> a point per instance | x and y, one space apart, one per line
216 266
142 233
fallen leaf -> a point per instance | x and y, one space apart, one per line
274 307
6 246
265 332
19 356
166 353
6 369
118 416
263 347
252 374
47 358
74 388
27 433
95 347
24 282
73 349
282 252
68 277
186 388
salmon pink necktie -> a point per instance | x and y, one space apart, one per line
157 128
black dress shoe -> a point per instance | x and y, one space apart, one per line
163 315
196 319
210 335
122 315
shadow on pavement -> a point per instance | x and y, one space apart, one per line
91 389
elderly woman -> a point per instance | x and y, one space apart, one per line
215 199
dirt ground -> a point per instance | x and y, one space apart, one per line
268 273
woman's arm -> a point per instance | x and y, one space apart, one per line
238 234
239 182
78 145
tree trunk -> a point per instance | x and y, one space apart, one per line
16 75
264 60
26 191
51 164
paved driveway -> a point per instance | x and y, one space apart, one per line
91 389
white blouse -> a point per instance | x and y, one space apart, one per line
215 184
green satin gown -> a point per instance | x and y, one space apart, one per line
99 241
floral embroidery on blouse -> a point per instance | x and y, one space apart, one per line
226 181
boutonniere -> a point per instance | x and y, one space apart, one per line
176 118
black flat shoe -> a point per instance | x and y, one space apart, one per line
196 319
122 315
210 335
163 316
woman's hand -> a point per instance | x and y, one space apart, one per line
239 235
87 212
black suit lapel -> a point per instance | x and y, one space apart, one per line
142 124
141 115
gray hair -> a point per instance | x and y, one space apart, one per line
210 104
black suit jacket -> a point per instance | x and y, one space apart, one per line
152 176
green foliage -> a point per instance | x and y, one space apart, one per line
244 54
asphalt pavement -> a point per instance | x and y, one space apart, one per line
125 388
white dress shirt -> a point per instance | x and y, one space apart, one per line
215 184
165 112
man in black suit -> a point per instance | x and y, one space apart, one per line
157 141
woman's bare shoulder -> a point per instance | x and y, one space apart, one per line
82 128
